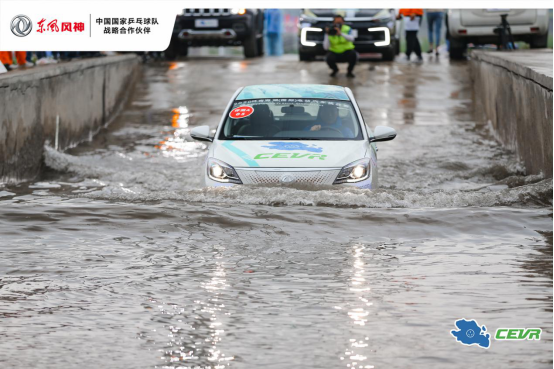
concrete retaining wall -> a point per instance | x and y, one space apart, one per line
85 94
513 90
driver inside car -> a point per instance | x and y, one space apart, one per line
328 119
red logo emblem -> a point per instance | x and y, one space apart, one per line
241 112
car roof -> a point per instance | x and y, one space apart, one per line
293 91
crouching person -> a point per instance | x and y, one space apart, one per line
339 44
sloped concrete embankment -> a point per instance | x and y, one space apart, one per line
513 90
85 94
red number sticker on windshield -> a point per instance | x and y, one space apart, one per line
241 112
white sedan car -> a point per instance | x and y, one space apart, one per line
292 134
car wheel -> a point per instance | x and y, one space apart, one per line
389 53
456 49
172 50
539 42
305 56
175 49
251 45
260 45
184 50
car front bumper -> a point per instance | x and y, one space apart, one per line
231 30
289 177
489 31
375 39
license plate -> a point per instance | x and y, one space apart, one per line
206 23
370 55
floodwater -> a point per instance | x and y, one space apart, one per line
117 257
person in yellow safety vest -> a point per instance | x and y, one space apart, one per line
338 41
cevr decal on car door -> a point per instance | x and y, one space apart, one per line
294 146
289 155
244 156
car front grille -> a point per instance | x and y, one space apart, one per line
268 177
203 12
364 35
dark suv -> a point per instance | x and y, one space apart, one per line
218 27
375 31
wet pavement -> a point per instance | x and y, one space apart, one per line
117 257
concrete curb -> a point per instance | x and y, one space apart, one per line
513 91
535 65
85 94
53 70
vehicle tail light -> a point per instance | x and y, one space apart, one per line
535 29
462 31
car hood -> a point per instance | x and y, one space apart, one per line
289 154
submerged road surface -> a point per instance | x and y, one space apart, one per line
118 258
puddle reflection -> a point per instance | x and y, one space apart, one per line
216 309
194 340
176 145
358 313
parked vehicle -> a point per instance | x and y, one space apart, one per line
218 27
375 31
480 26
292 134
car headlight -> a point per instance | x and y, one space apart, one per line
306 19
383 16
222 172
354 172
238 11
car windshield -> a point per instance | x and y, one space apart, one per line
291 119
350 13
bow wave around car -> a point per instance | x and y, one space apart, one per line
292 134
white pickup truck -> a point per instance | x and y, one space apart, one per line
477 26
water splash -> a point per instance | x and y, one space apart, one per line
135 182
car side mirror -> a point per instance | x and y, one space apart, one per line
383 133
201 133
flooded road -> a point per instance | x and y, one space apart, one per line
117 257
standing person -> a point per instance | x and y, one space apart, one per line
434 22
6 58
21 57
29 58
273 29
412 21
340 45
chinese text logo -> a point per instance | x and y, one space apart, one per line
52 26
